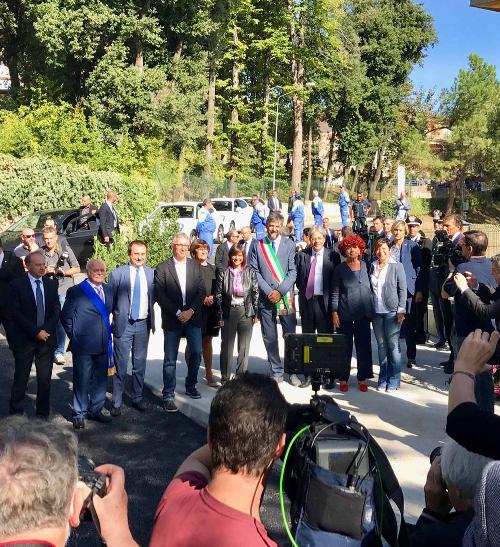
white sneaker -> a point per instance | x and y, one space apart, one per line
59 359
295 380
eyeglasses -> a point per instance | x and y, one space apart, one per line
181 245
31 235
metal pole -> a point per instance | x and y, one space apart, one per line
275 143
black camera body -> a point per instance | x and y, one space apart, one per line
60 263
443 249
97 484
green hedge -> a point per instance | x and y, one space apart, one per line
30 183
419 206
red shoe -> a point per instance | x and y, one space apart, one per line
344 387
362 387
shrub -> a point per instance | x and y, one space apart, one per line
158 236
27 184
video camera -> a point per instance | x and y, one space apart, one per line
97 484
444 249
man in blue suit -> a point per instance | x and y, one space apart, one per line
273 259
85 318
132 287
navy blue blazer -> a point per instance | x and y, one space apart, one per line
411 258
119 285
83 323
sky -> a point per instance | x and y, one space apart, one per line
461 30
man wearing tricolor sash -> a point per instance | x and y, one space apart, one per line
85 318
273 260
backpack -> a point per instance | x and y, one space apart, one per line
340 483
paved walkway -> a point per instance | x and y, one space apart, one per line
408 423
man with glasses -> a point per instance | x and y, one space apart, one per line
28 245
180 290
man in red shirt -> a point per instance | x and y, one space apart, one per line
214 498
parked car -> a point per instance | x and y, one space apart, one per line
232 213
187 218
81 241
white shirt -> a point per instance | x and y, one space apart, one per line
276 203
456 237
318 272
2 254
247 246
277 242
110 205
143 307
181 270
378 281
417 237
97 290
33 281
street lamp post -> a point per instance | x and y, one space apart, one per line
308 85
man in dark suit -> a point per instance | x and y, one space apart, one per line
11 267
132 288
330 236
85 318
275 287
86 212
33 313
222 253
274 202
180 291
247 241
108 219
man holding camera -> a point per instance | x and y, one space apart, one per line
214 498
41 494
61 265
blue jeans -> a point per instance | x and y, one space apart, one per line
60 332
90 380
171 339
135 338
386 329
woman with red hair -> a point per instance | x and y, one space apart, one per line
352 307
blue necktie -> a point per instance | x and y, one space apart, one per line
40 308
273 245
136 297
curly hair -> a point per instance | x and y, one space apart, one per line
352 241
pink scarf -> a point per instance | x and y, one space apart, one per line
237 281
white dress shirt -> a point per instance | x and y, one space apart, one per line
115 221
318 273
277 242
181 270
2 254
97 290
144 302
378 281
33 281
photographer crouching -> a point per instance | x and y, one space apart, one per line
61 264
41 496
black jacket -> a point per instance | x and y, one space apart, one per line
169 296
331 259
107 222
221 257
224 291
21 313
432 529
10 269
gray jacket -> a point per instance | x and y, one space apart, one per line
394 289
351 294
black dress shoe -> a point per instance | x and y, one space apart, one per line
79 423
116 411
193 393
44 417
329 385
169 406
440 344
411 363
101 417
449 368
139 405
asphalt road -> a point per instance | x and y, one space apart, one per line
149 446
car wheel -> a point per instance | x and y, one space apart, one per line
220 234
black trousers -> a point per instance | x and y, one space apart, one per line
43 354
314 316
409 326
420 318
448 324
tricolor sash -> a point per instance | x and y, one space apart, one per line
286 305
100 306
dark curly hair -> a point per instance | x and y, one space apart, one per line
352 241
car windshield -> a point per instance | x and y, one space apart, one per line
183 211
223 205
35 220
